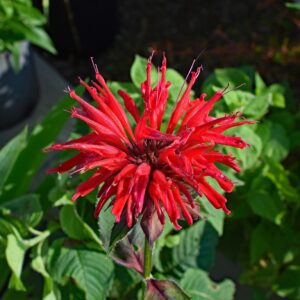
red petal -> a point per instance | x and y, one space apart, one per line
130 105
141 179
182 104
69 164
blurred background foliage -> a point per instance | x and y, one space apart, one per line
50 247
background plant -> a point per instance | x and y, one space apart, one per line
20 21
47 239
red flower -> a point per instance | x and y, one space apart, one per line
147 169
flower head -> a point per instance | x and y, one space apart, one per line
145 170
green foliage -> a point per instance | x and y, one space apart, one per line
92 271
21 21
200 286
262 232
45 236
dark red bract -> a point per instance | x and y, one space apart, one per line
147 169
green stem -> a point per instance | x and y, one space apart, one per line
147 265
147 259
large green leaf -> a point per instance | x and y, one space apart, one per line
8 157
195 248
266 205
257 107
197 283
91 271
31 158
276 141
75 227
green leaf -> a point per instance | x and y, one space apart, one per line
89 270
38 265
238 100
75 227
125 283
233 77
138 72
196 249
29 13
15 252
31 158
8 157
111 232
177 83
278 175
266 206
200 287
276 141
257 107
214 216
289 283
249 156
277 91
258 244
292 5
260 85
33 34
26 208
164 290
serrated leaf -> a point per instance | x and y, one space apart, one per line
164 290
111 232
196 249
74 226
90 270
197 283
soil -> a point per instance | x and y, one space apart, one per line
260 33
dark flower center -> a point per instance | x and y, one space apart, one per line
150 153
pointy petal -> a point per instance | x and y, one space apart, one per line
69 164
236 142
216 199
89 185
130 105
182 104
141 179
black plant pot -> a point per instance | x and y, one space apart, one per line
18 91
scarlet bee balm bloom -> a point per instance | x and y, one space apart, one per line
146 170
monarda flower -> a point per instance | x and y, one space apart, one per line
144 170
